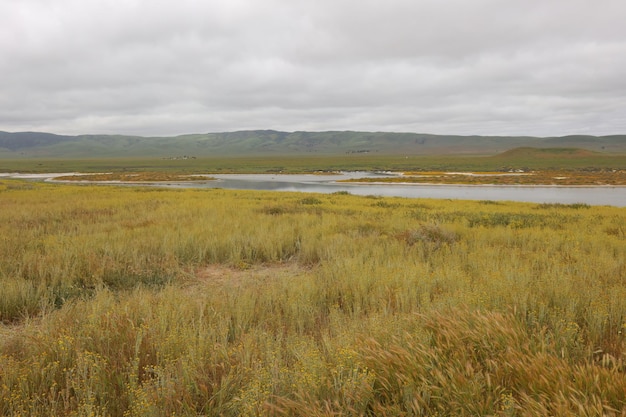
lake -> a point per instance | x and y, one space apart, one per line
593 195
598 195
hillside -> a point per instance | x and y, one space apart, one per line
270 142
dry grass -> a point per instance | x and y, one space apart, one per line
135 177
563 177
124 301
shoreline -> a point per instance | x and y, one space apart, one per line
593 194
430 184
315 179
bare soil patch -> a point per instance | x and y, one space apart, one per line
225 275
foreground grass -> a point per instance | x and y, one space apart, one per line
137 301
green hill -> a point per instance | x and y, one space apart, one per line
275 143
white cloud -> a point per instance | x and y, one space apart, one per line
442 66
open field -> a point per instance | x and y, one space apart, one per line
126 301
313 164
524 158
521 166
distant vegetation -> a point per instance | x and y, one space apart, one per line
317 163
131 301
544 153
274 143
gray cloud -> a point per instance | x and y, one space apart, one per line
165 67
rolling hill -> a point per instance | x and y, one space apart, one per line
271 142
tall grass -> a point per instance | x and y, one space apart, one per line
136 301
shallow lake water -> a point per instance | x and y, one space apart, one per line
600 195
593 195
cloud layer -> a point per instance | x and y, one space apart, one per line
161 67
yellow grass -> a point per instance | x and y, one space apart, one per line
123 301
135 177
561 177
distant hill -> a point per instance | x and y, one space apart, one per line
271 142
25 140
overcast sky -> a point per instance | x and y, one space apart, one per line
165 67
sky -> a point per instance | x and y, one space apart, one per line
163 67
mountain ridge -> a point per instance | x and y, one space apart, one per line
273 142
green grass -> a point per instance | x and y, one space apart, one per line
349 162
137 301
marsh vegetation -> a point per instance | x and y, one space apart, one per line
562 178
137 301
139 177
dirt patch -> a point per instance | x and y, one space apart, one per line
224 275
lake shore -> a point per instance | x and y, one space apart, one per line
592 194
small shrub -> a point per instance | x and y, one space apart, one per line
430 234
367 229
310 201
275 210
578 206
575 206
516 220
20 298
385 204
617 231
20 186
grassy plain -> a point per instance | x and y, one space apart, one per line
523 158
134 301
